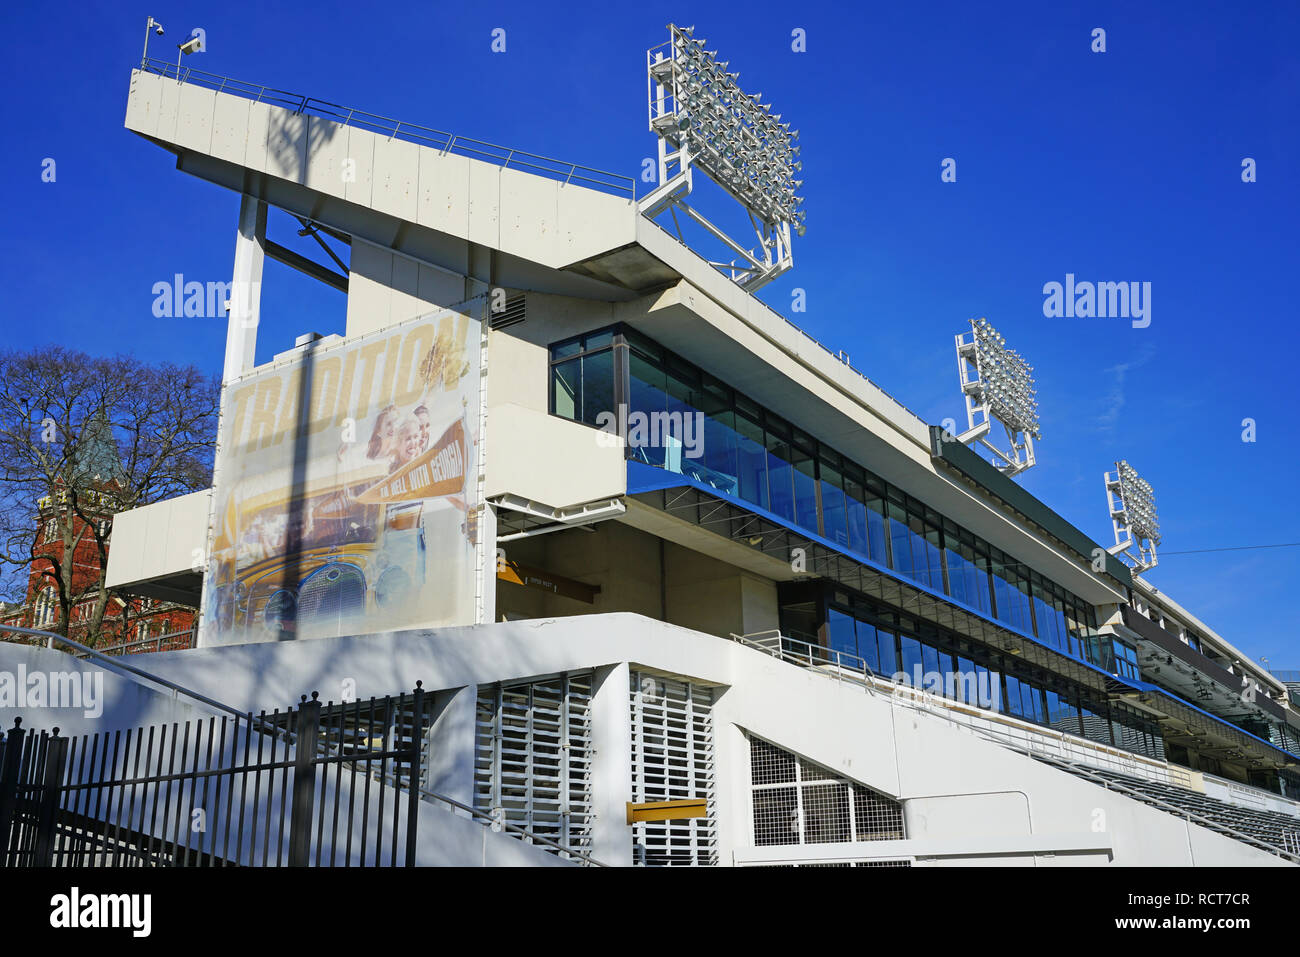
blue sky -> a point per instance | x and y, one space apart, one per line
1115 166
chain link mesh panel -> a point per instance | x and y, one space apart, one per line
798 802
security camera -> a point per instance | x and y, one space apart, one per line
158 29
190 45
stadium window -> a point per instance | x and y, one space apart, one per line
1012 695
910 658
753 455
887 646
805 482
841 632
834 514
1126 660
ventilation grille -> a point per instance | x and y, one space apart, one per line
890 862
532 759
672 759
513 312
798 802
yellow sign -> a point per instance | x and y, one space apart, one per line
667 810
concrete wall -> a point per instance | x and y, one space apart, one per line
968 801
472 200
550 460
385 288
158 540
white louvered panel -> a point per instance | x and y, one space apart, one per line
672 759
532 764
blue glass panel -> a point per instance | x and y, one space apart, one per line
888 652
900 541
929 661
834 524
933 558
877 532
780 481
910 659
1015 702
805 491
840 632
1031 702
597 386
855 514
752 461
647 403
719 466
868 647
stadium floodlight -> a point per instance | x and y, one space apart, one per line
705 121
1133 514
998 385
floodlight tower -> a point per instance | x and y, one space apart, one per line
1133 514
998 385
705 121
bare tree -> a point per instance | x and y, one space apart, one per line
87 436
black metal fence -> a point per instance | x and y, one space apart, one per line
323 785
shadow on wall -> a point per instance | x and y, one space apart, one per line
293 138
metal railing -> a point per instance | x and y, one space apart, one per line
179 640
1285 849
300 105
1000 728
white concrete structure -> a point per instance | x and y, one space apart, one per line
626 569
965 799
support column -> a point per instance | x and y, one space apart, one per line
243 310
245 288
611 773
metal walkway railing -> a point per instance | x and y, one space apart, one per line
444 142
1066 752
997 727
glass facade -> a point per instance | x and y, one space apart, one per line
682 419
951 665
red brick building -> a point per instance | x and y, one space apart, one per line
127 622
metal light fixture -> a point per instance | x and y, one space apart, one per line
705 121
1133 515
998 385
186 48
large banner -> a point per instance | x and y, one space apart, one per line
345 497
